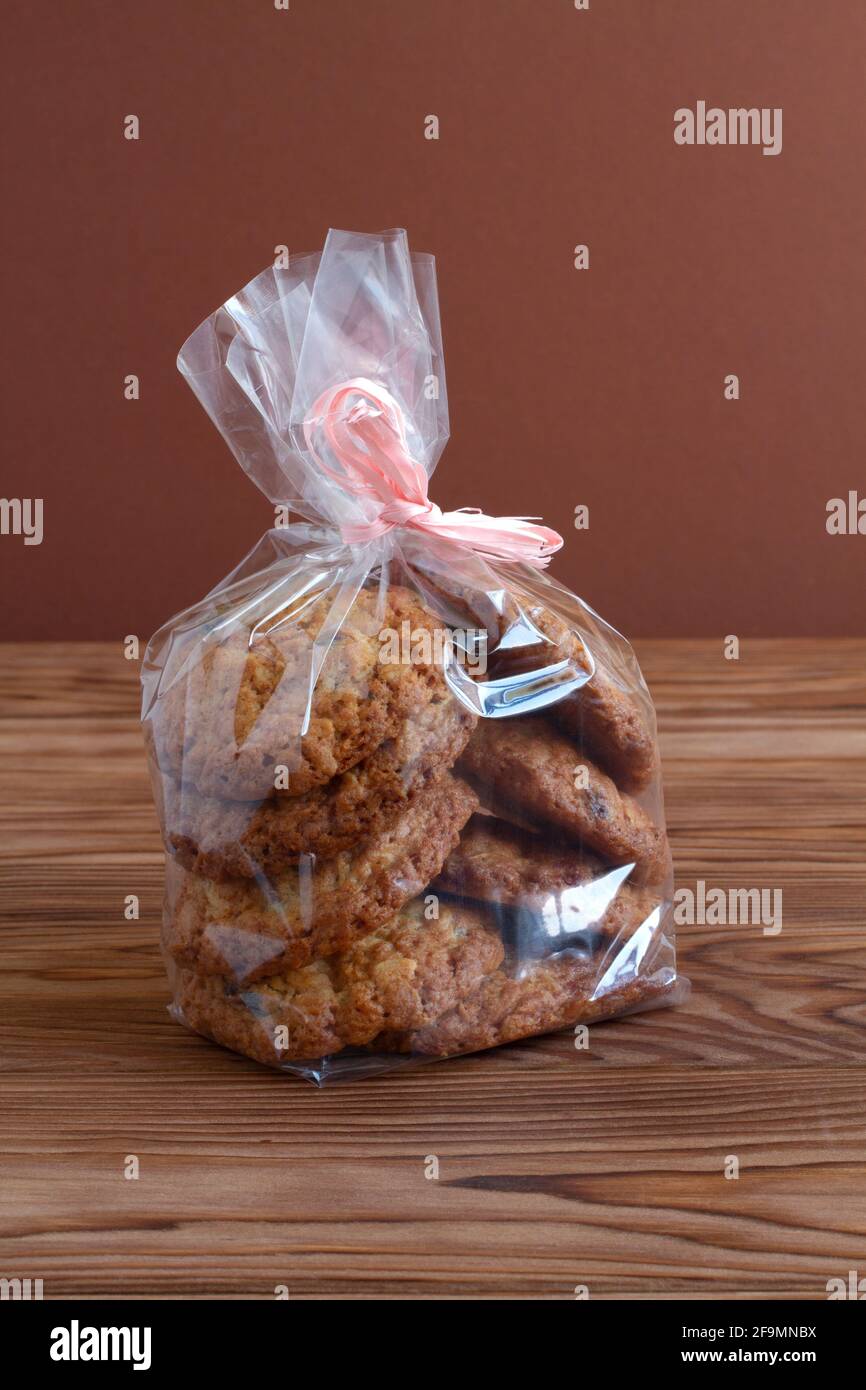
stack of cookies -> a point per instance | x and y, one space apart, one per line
359 864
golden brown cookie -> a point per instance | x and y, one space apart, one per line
554 993
241 712
527 764
224 839
606 719
612 722
566 891
403 975
244 929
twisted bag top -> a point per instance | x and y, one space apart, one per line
327 382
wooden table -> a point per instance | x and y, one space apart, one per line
557 1168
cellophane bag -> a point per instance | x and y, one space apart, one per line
408 784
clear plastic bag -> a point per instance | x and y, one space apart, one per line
408 784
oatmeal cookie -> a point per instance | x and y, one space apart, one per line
565 891
554 994
245 929
527 764
224 839
523 635
237 715
606 720
403 975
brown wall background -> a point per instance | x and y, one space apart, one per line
604 387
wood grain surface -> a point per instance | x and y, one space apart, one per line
557 1168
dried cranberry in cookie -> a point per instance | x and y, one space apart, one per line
528 764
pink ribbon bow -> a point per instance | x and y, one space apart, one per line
365 430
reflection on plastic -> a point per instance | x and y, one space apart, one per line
520 694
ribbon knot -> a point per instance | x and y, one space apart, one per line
365 430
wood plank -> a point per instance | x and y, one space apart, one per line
544 1182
